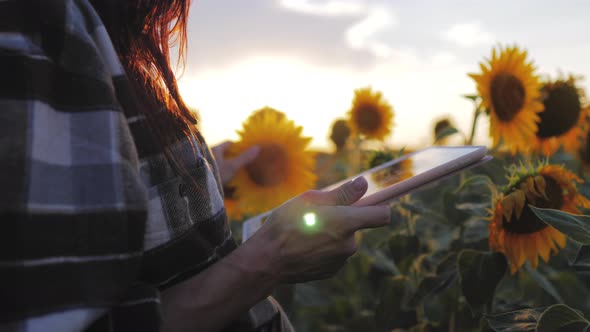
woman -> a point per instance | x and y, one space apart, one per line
111 202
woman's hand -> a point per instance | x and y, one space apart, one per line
284 250
229 167
298 252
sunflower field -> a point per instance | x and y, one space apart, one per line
501 247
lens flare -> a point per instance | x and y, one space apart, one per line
309 219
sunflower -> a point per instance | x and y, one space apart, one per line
515 230
584 154
340 134
370 115
283 168
510 91
441 130
564 122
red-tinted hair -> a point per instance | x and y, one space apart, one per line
142 32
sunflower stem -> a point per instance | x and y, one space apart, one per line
461 233
476 114
355 163
409 225
420 313
452 322
489 307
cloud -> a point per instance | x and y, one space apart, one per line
443 58
365 34
468 34
311 31
306 57
329 8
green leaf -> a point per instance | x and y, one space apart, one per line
384 263
544 283
454 215
571 250
356 268
576 227
393 296
479 274
515 321
422 327
471 97
474 209
582 264
446 274
446 132
310 296
423 211
474 180
403 246
562 318
476 232
364 320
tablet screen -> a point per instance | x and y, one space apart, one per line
386 175
395 171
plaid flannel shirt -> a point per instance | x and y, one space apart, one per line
93 220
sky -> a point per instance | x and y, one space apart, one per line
306 58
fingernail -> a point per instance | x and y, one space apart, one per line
359 183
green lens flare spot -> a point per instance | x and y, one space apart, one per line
309 219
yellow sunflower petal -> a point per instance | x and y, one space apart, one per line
508 206
511 253
522 236
283 168
530 181
543 248
564 121
370 114
541 185
520 249
548 238
509 89
519 200
560 239
531 250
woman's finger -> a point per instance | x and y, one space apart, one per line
346 194
348 220
244 158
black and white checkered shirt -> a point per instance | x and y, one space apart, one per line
93 221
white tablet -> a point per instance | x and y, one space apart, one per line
401 176
412 171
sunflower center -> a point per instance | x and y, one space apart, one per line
340 134
528 222
368 118
229 191
562 110
508 96
270 166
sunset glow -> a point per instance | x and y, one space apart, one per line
306 58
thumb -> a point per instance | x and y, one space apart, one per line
346 194
245 157
222 147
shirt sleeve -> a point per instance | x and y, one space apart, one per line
72 206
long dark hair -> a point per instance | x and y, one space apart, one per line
142 32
